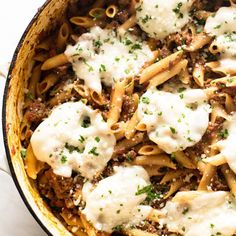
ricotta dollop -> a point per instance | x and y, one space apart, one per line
227 146
160 18
174 121
222 25
105 56
74 137
114 200
197 213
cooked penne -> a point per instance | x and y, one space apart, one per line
174 187
130 86
160 66
141 127
173 174
41 57
216 160
181 158
230 105
199 74
97 13
154 170
83 21
198 42
184 76
230 178
119 130
126 144
131 22
166 75
97 98
228 81
46 84
32 165
62 37
82 90
111 11
215 48
116 102
148 150
208 174
53 62
34 80
159 160
131 126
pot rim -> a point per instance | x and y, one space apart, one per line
4 119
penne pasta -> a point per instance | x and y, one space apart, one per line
53 62
174 187
148 150
131 124
111 11
181 158
83 21
198 42
119 130
131 22
166 75
116 102
159 160
230 178
216 160
170 175
34 80
208 174
46 84
160 66
32 165
62 37
97 98
199 74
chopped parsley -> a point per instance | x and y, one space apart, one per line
72 148
86 122
173 130
97 43
217 27
145 100
102 68
81 139
146 19
223 133
63 159
185 211
94 151
177 10
97 139
180 90
136 46
149 191
118 228
23 153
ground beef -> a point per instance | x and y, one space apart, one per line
36 111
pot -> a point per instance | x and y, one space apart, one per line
44 21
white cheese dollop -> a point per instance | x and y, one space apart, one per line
222 25
104 56
197 213
74 137
227 146
160 18
114 202
174 121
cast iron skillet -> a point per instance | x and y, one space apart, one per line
47 17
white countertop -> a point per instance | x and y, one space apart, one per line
15 219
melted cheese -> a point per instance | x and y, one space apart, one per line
222 25
197 213
227 146
113 201
74 137
160 18
174 121
102 56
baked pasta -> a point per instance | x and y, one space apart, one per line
129 118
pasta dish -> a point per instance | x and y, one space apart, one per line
129 118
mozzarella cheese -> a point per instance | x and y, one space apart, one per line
104 56
174 121
113 201
222 25
197 213
74 137
160 18
227 146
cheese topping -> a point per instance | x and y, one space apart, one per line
102 56
160 18
114 201
74 137
223 26
174 121
227 146
197 213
